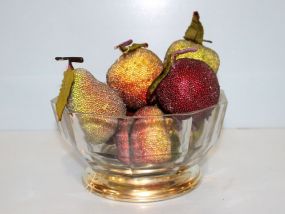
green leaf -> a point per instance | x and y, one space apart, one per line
195 31
151 89
64 92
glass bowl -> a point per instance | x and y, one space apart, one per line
142 159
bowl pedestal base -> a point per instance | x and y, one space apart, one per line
141 188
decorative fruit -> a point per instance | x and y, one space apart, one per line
66 85
186 85
96 104
121 139
193 39
133 73
150 142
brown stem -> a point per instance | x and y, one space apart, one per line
123 45
209 41
70 60
127 46
179 52
134 47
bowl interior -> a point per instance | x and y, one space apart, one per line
142 144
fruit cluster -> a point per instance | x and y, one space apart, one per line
141 86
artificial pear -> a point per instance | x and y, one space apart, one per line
94 103
121 139
133 73
150 141
98 102
194 39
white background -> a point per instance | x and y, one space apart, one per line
249 35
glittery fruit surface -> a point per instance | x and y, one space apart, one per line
132 74
121 139
150 142
203 53
189 86
87 96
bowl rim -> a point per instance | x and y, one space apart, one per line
222 101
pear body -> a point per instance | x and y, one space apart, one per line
96 104
132 74
122 141
149 140
203 53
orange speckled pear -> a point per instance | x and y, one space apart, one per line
193 39
133 73
150 142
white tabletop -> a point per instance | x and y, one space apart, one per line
244 173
